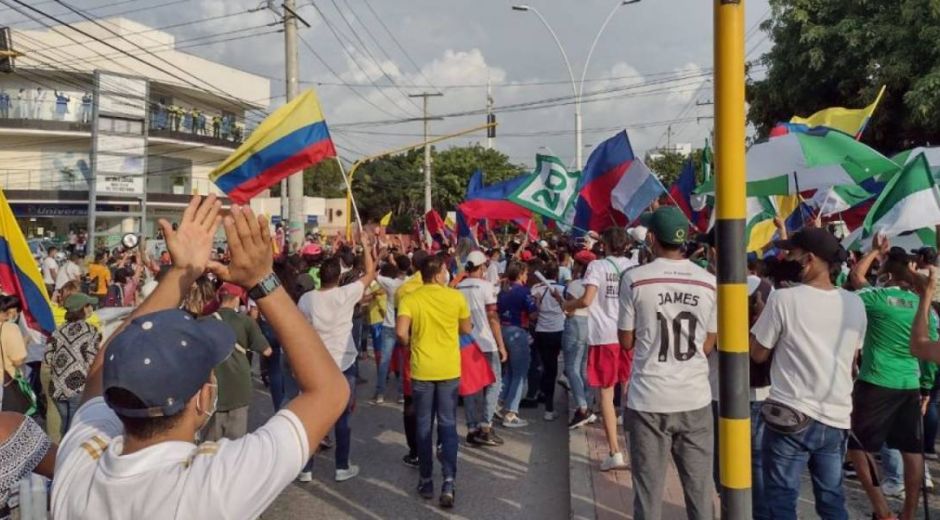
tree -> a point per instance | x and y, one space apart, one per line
667 166
840 52
321 180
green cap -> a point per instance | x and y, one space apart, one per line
78 301
668 224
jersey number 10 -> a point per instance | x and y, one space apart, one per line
683 318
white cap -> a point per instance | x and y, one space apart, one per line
543 244
638 233
476 258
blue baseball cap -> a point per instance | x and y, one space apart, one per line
164 358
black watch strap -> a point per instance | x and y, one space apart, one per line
266 286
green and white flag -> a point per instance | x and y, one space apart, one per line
812 160
931 153
838 199
909 202
550 190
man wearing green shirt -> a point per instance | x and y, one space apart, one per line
234 374
886 408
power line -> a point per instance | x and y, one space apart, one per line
400 46
352 58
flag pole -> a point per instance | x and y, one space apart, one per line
858 136
352 200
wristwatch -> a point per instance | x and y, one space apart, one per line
266 286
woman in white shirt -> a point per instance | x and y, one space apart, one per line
548 332
574 344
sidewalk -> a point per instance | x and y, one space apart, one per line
609 495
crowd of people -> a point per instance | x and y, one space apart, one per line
138 403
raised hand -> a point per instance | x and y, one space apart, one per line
190 244
249 242
880 243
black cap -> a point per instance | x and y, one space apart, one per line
817 241
899 255
927 254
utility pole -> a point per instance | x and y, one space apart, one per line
427 148
734 417
490 116
294 183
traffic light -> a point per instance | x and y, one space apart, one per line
491 120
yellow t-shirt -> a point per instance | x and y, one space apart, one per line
413 283
435 313
377 305
103 274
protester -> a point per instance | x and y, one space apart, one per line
99 275
71 350
15 397
150 390
548 332
390 278
480 294
516 310
429 321
814 331
409 413
668 318
24 449
574 344
69 272
233 375
50 269
330 309
607 364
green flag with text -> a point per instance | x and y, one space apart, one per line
550 189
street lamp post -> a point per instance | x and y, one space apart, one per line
576 88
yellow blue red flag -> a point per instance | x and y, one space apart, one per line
292 138
19 272
849 120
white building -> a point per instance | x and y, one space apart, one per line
45 129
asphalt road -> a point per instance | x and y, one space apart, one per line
526 477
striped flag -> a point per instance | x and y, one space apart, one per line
909 202
19 273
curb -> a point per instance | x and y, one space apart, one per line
580 482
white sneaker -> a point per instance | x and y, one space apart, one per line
512 420
305 476
379 399
620 420
550 416
892 490
614 461
928 483
343 475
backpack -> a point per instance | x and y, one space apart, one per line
115 296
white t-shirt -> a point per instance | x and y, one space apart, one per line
551 315
67 273
815 335
48 265
480 295
389 285
331 312
492 273
228 479
605 309
575 289
671 307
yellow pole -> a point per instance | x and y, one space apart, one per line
734 424
364 160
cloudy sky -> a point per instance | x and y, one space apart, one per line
649 73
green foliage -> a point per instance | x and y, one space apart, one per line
668 165
840 52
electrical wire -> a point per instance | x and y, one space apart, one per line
399 45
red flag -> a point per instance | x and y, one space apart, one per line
475 371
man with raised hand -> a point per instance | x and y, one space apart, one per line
130 451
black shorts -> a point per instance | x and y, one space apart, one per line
883 415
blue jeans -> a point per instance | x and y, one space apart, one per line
759 507
481 406
893 466
932 418
384 349
574 348
517 369
342 430
357 333
276 365
443 394
785 457
67 409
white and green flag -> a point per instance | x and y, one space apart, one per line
550 190
909 202
838 199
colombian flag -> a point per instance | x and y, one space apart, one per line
849 120
475 371
294 137
19 273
